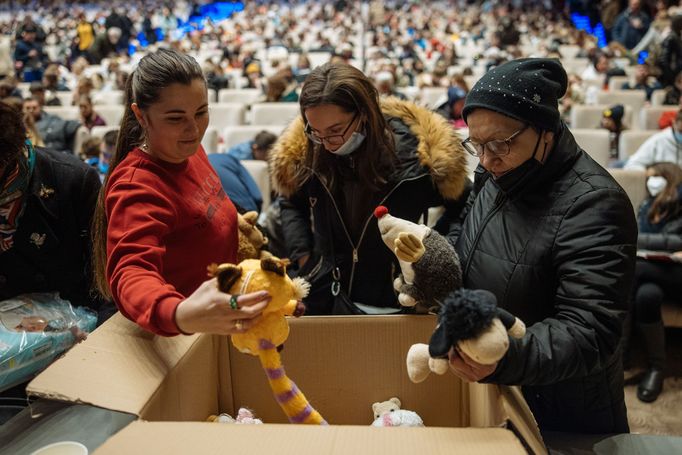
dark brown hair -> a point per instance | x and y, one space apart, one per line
12 134
155 72
347 87
90 147
276 86
667 203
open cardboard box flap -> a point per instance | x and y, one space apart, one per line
342 365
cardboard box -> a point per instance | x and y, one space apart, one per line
342 365
199 438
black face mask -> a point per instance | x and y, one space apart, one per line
517 177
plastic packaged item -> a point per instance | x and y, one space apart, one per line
34 330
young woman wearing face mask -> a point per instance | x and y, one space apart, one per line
660 229
347 153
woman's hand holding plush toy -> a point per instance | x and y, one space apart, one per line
467 368
208 310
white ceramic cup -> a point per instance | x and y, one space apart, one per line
62 448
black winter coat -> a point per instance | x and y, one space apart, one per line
670 59
52 247
559 253
431 171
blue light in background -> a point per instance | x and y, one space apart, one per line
600 34
582 22
215 11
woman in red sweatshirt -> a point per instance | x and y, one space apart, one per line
162 215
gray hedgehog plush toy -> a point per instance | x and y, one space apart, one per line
420 252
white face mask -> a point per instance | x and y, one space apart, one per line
655 184
351 145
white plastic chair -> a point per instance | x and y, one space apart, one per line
259 171
211 141
226 114
274 113
66 98
82 134
649 116
411 92
111 114
595 142
110 98
630 141
568 51
100 131
318 58
64 112
432 97
633 98
633 182
658 96
246 96
589 116
616 82
233 135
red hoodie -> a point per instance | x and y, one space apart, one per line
166 223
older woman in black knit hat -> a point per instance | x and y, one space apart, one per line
552 235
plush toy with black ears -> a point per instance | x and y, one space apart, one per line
470 320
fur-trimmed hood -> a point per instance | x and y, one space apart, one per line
439 150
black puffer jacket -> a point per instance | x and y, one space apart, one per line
431 171
670 59
558 252
52 249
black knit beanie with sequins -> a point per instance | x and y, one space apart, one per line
526 89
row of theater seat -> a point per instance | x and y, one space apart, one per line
221 114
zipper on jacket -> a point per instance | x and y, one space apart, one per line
499 202
356 256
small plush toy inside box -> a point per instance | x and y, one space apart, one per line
343 364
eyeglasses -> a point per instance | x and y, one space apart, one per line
495 148
334 139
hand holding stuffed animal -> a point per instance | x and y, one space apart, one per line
471 320
272 328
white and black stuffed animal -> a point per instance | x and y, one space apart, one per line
471 320
429 264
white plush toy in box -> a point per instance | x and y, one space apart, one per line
389 414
